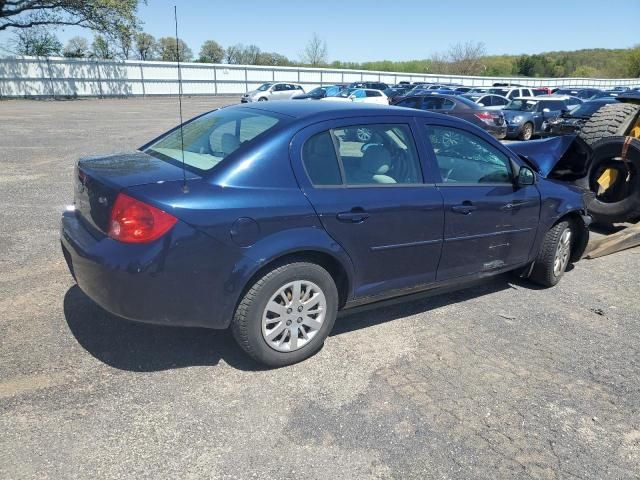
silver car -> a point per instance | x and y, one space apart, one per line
272 91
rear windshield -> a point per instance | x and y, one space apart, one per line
209 139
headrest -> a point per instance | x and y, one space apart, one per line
376 160
229 143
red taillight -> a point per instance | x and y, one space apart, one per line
133 221
484 116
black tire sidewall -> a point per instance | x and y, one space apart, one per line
524 129
296 271
626 208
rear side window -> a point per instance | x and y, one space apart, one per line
373 93
362 155
320 160
413 102
465 158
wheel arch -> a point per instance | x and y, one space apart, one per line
581 230
336 268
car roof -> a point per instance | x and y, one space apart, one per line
301 110
556 98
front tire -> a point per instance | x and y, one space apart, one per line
287 314
262 99
554 255
527 132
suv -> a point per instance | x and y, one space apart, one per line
527 116
272 91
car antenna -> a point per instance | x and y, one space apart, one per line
185 189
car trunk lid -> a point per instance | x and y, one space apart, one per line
98 180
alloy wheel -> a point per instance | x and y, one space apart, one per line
563 252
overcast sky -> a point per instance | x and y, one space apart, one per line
399 30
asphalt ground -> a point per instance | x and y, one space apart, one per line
503 380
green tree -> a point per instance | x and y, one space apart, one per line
146 46
633 62
211 52
76 47
102 48
37 41
169 53
105 16
124 38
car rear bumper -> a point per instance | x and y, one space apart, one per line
498 132
182 279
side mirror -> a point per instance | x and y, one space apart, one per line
526 176
481 104
545 110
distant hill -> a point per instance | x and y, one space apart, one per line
599 62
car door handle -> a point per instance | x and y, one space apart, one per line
514 205
466 208
354 216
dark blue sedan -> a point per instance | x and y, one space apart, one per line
270 219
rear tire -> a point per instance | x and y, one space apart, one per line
554 255
527 132
276 324
612 119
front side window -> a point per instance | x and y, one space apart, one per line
464 158
209 139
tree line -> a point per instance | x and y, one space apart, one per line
118 35
129 45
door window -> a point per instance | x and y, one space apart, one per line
465 158
371 155
320 160
378 154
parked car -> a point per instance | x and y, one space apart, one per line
359 95
581 93
460 107
372 85
395 93
461 90
272 91
489 101
572 122
248 220
319 92
526 116
511 92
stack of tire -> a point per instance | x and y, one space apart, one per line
607 132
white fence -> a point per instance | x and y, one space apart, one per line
64 77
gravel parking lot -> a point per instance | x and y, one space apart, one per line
503 380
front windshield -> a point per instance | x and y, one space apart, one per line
264 87
521 105
317 91
209 139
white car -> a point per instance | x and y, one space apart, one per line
272 91
359 95
489 101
